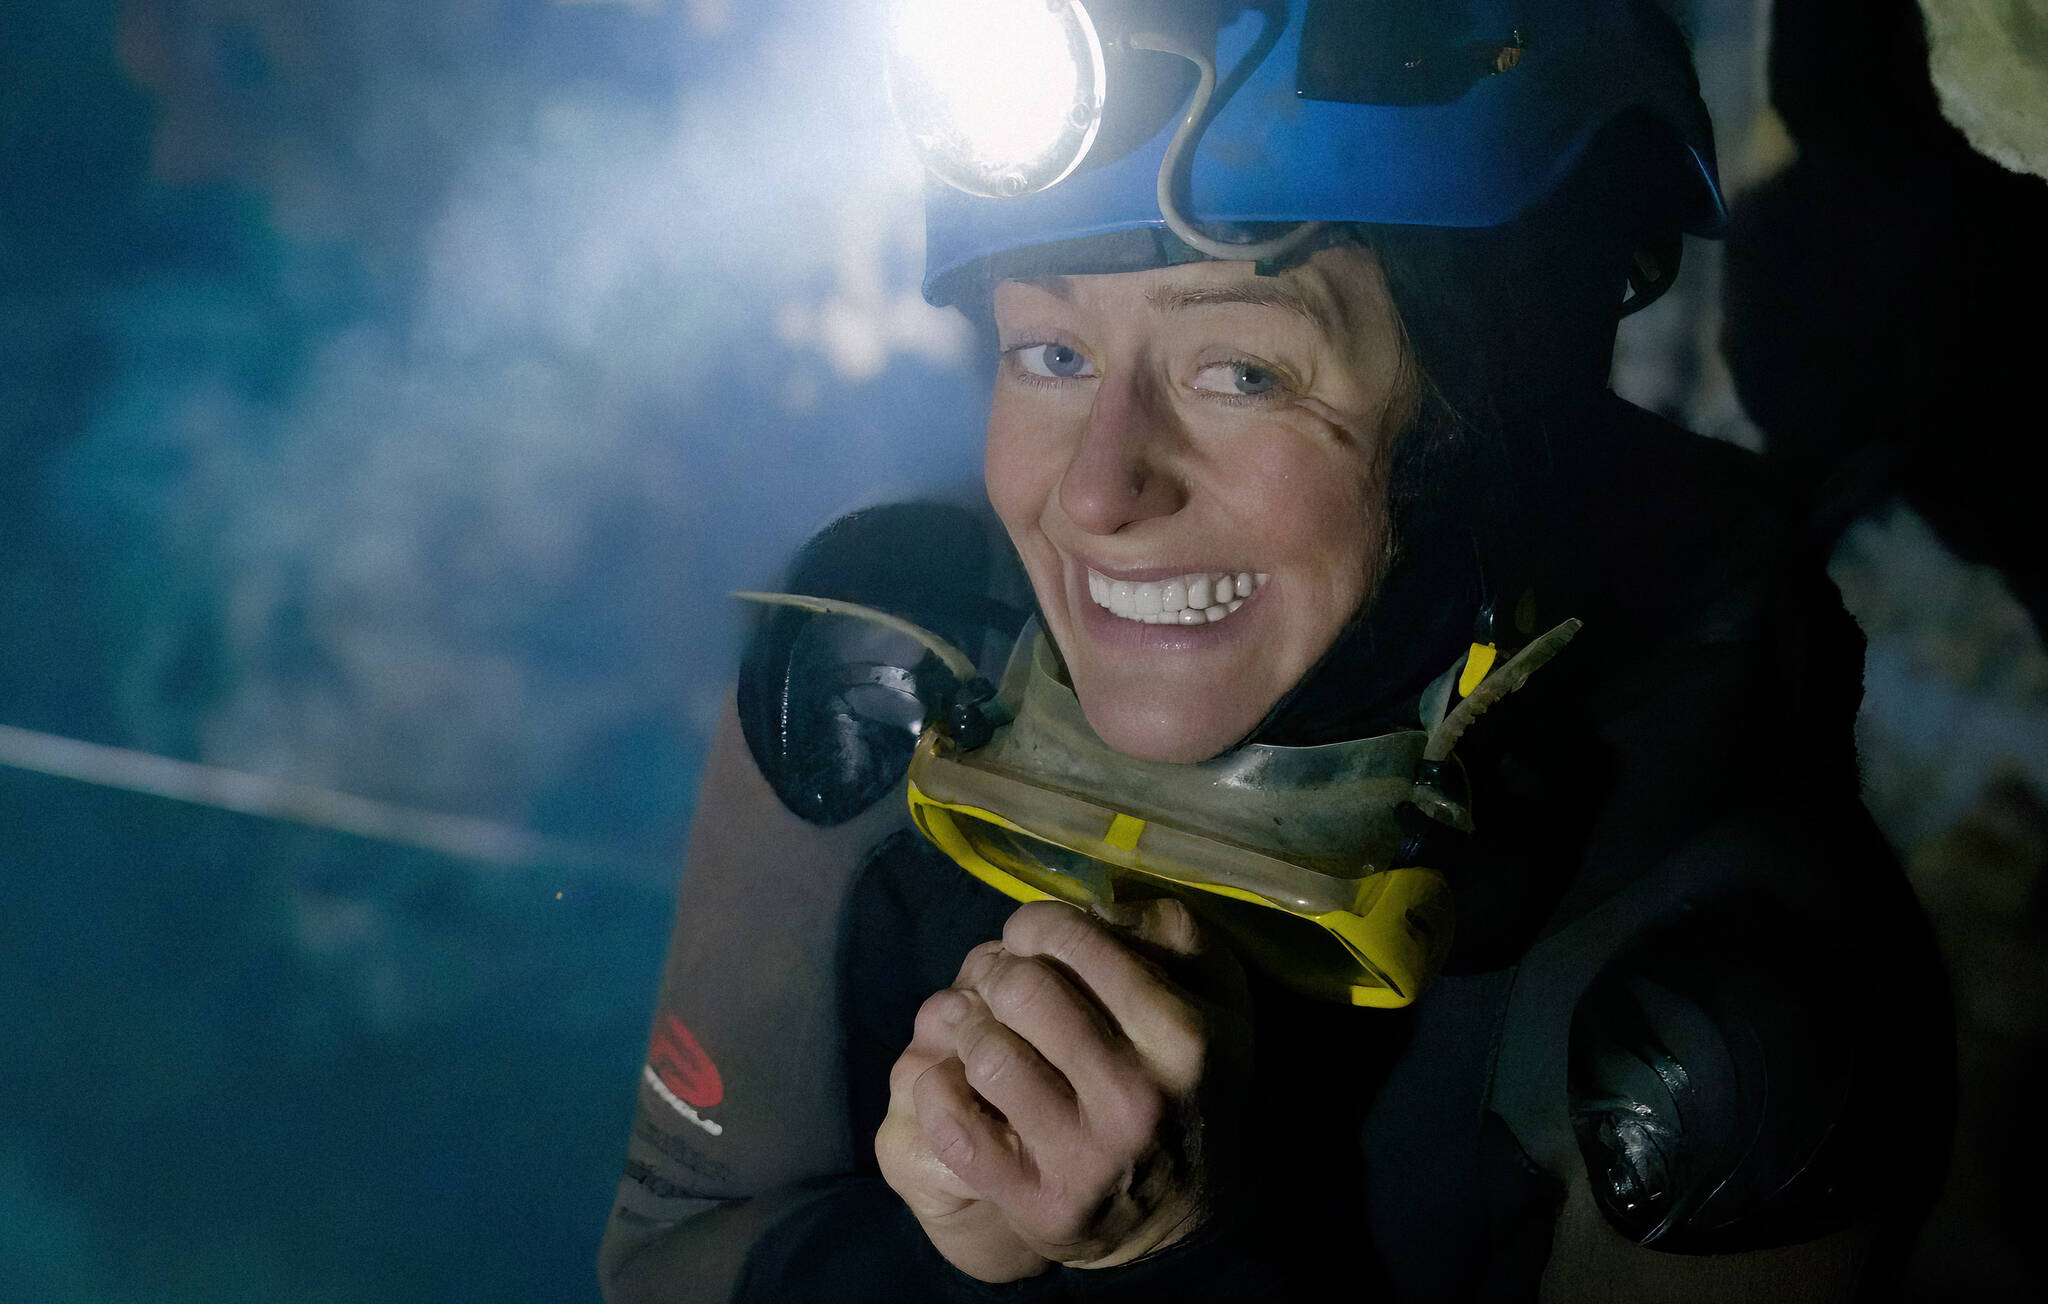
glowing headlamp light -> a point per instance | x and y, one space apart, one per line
1000 97
1003 98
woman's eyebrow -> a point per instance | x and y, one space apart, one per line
1264 293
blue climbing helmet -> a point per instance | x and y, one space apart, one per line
1244 127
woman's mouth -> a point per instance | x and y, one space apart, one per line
1197 598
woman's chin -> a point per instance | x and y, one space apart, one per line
1164 733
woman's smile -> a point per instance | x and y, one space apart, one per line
1189 598
1111 632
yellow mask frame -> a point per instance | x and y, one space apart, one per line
1287 851
1390 933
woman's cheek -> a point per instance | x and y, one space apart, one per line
1017 481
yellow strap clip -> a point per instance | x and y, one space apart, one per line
1477 662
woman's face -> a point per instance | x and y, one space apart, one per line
1157 439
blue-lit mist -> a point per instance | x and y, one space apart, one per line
390 392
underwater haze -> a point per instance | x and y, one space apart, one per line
391 392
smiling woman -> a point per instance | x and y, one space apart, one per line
1427 780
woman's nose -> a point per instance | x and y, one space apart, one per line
1121 472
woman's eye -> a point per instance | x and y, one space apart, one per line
1054 361
1240 378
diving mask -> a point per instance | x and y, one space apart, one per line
1309 861
1291 853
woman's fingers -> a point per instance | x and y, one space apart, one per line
1161 922
1054 1199
975 1144
1167 931
1039 1001
1084 1099
1160 1021
1048 1104
965 1227
1060 1080
999 1063
1008 1072
931 1039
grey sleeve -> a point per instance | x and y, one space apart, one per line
741 1104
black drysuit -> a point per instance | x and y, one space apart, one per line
1692 1015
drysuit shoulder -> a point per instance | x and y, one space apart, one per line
830 705
1734 1086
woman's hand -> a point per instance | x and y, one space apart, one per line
968 1230
1066 1119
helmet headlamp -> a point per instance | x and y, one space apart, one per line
1004 98
1000 98
1243 129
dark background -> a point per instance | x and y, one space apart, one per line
389 394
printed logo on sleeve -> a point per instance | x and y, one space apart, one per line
681 1073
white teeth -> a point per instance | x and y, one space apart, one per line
1194 599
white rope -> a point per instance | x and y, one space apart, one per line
297 803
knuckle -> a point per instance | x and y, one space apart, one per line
911 1065
989 1059
890 1156
1018 987
978 961
903 1075
1045 927
1170 923
937 1016
895 1145
1182 1065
